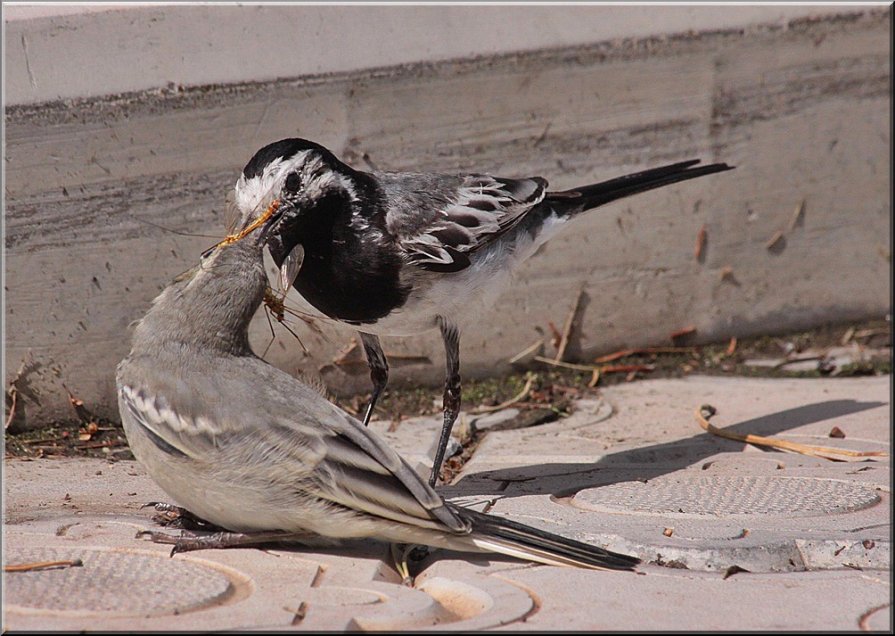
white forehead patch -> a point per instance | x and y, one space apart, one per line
255 194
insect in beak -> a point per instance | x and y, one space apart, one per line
267 219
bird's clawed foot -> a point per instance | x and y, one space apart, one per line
188 541
171 516
407 558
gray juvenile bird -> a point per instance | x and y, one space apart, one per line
247 447
401 253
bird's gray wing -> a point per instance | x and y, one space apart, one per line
297 437
360 472
440 219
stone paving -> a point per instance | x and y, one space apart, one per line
732 537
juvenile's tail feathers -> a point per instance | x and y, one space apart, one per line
497 534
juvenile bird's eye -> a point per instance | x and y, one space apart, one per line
293 182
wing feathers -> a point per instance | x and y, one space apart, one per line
378 495
482 208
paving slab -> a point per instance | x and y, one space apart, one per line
732 537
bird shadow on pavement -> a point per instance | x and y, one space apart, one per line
643 462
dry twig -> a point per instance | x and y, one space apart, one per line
798 216
624 353
864 620
704 412
775 240
106 444
809 358
555 336
527 351
45 440
516 398
568 326
566 365
627 368
866 333
42 565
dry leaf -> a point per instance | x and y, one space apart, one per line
680 334
798 216
701 237
733 569
732 346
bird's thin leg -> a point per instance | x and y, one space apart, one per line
451 336
378 370
188 542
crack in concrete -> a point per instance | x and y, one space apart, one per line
31 79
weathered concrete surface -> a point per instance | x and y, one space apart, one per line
61 52
815 535
800 107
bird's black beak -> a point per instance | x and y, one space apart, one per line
279 234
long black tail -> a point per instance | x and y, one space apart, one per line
497 534
591 196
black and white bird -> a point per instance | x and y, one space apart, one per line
246 447
398 253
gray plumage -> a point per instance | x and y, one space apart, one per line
249 448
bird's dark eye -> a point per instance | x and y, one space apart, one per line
293 182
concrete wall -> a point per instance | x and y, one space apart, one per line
93 51
798 98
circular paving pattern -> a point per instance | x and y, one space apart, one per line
112 582
728 495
